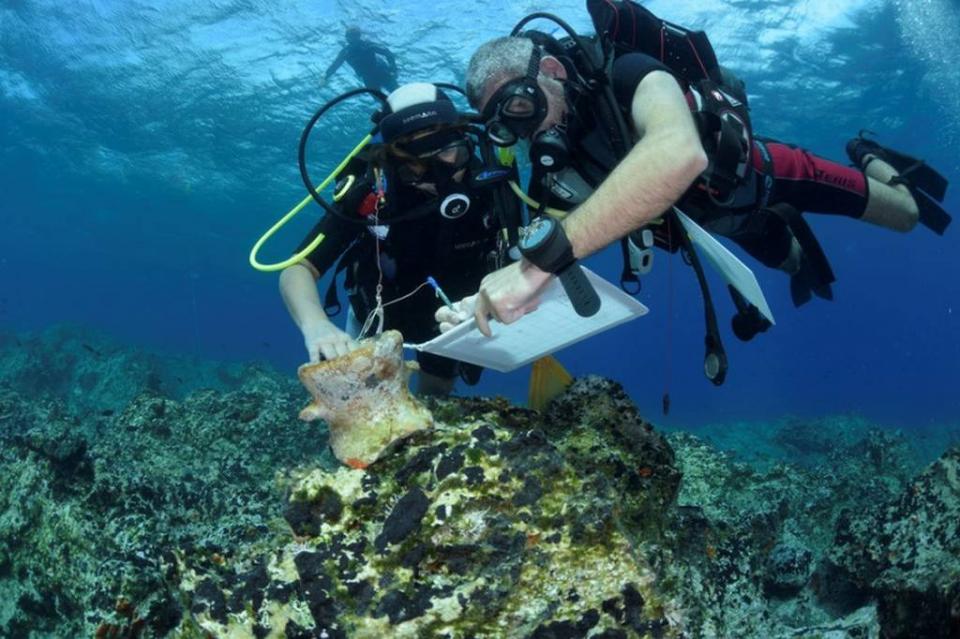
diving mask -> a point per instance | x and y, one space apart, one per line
517 108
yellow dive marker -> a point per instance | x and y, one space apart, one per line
267 268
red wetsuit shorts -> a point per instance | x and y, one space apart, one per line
810 183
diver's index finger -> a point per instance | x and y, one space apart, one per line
480 314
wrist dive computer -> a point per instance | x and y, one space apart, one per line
544 243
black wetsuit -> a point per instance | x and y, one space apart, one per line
457 253
374 63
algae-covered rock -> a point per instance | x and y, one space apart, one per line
221 514
498 523
95 509
907 553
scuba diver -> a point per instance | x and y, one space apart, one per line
412 206
628 125
374 63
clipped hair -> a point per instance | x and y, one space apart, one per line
506 57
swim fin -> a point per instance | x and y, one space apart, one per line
928 186
932 214
548 378
804 285
917 172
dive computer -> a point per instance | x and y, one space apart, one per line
544 243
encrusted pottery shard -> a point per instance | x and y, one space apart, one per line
364 399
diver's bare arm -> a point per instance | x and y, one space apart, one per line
653 176
298 287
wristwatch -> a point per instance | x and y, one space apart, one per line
544 243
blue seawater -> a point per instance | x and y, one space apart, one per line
146 145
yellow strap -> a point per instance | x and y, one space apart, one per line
267 268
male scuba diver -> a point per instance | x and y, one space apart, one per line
625 127
373 63
413 206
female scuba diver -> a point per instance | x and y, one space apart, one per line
410 208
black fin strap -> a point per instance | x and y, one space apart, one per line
898 180
931 214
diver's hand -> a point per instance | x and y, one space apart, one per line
509 293
449 317
327 341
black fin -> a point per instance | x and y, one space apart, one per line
815 275
932 214
818 271
824 292
800 290
916 172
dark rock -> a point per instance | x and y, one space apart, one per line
474 475
362 593
558 630
911 614
317 594
295 631
836 590
280 591
306 518
208 596
787 569
529 494
309 565
450 463
413 556
633 608
483 434
419 463
164 615
458 558
249 589
400 607
403 519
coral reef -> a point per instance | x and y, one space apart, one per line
481 527
219 513
905 552
365 400
96 506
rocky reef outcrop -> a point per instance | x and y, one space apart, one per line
220 513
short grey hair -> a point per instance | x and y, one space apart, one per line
496 60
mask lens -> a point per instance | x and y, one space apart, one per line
429 144
518 107
455 154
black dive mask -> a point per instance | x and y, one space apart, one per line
436 159
517 108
